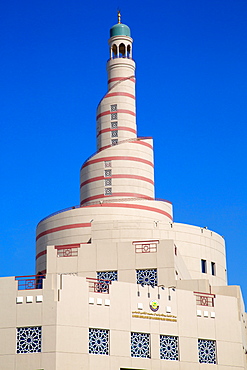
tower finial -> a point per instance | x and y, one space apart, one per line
119 16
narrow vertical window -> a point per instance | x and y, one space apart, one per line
122 51
204 266
213 268
128 51
114 51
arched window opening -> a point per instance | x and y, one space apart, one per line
114 51
122 52
128 52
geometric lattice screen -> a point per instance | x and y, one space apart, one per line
140 345
107 275
99 341
29 339
168 347
147 277
207 351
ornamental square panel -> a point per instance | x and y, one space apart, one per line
207 351
114 124
140 345
113 107
113 115
107 182
147 277
108 191
107 173
114 133
28 339
99 341
144 247
168 347
67 252
107 163
114 142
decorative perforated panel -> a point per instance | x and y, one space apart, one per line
207 351
168 347
114 124
140 345
107 275
113 107
107 163
114 133
147 277
99 341
108 191
107 173
29 339
108 182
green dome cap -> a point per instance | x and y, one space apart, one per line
120 29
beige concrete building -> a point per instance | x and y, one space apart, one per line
119 284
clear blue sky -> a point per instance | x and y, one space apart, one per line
191 97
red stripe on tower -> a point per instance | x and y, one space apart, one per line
122 176
119 158
109 95
61 228
129 195
117 128
116 79
132 206
126 111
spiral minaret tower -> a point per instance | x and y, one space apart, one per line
117 182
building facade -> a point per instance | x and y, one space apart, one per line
119 285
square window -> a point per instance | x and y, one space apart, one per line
207 351
140 345
28 339
107 173
114 142
113 107
114 133
168 347
107 163
114 124
204 266
107 182
113 115
108 191
147 277
213 268
99 341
